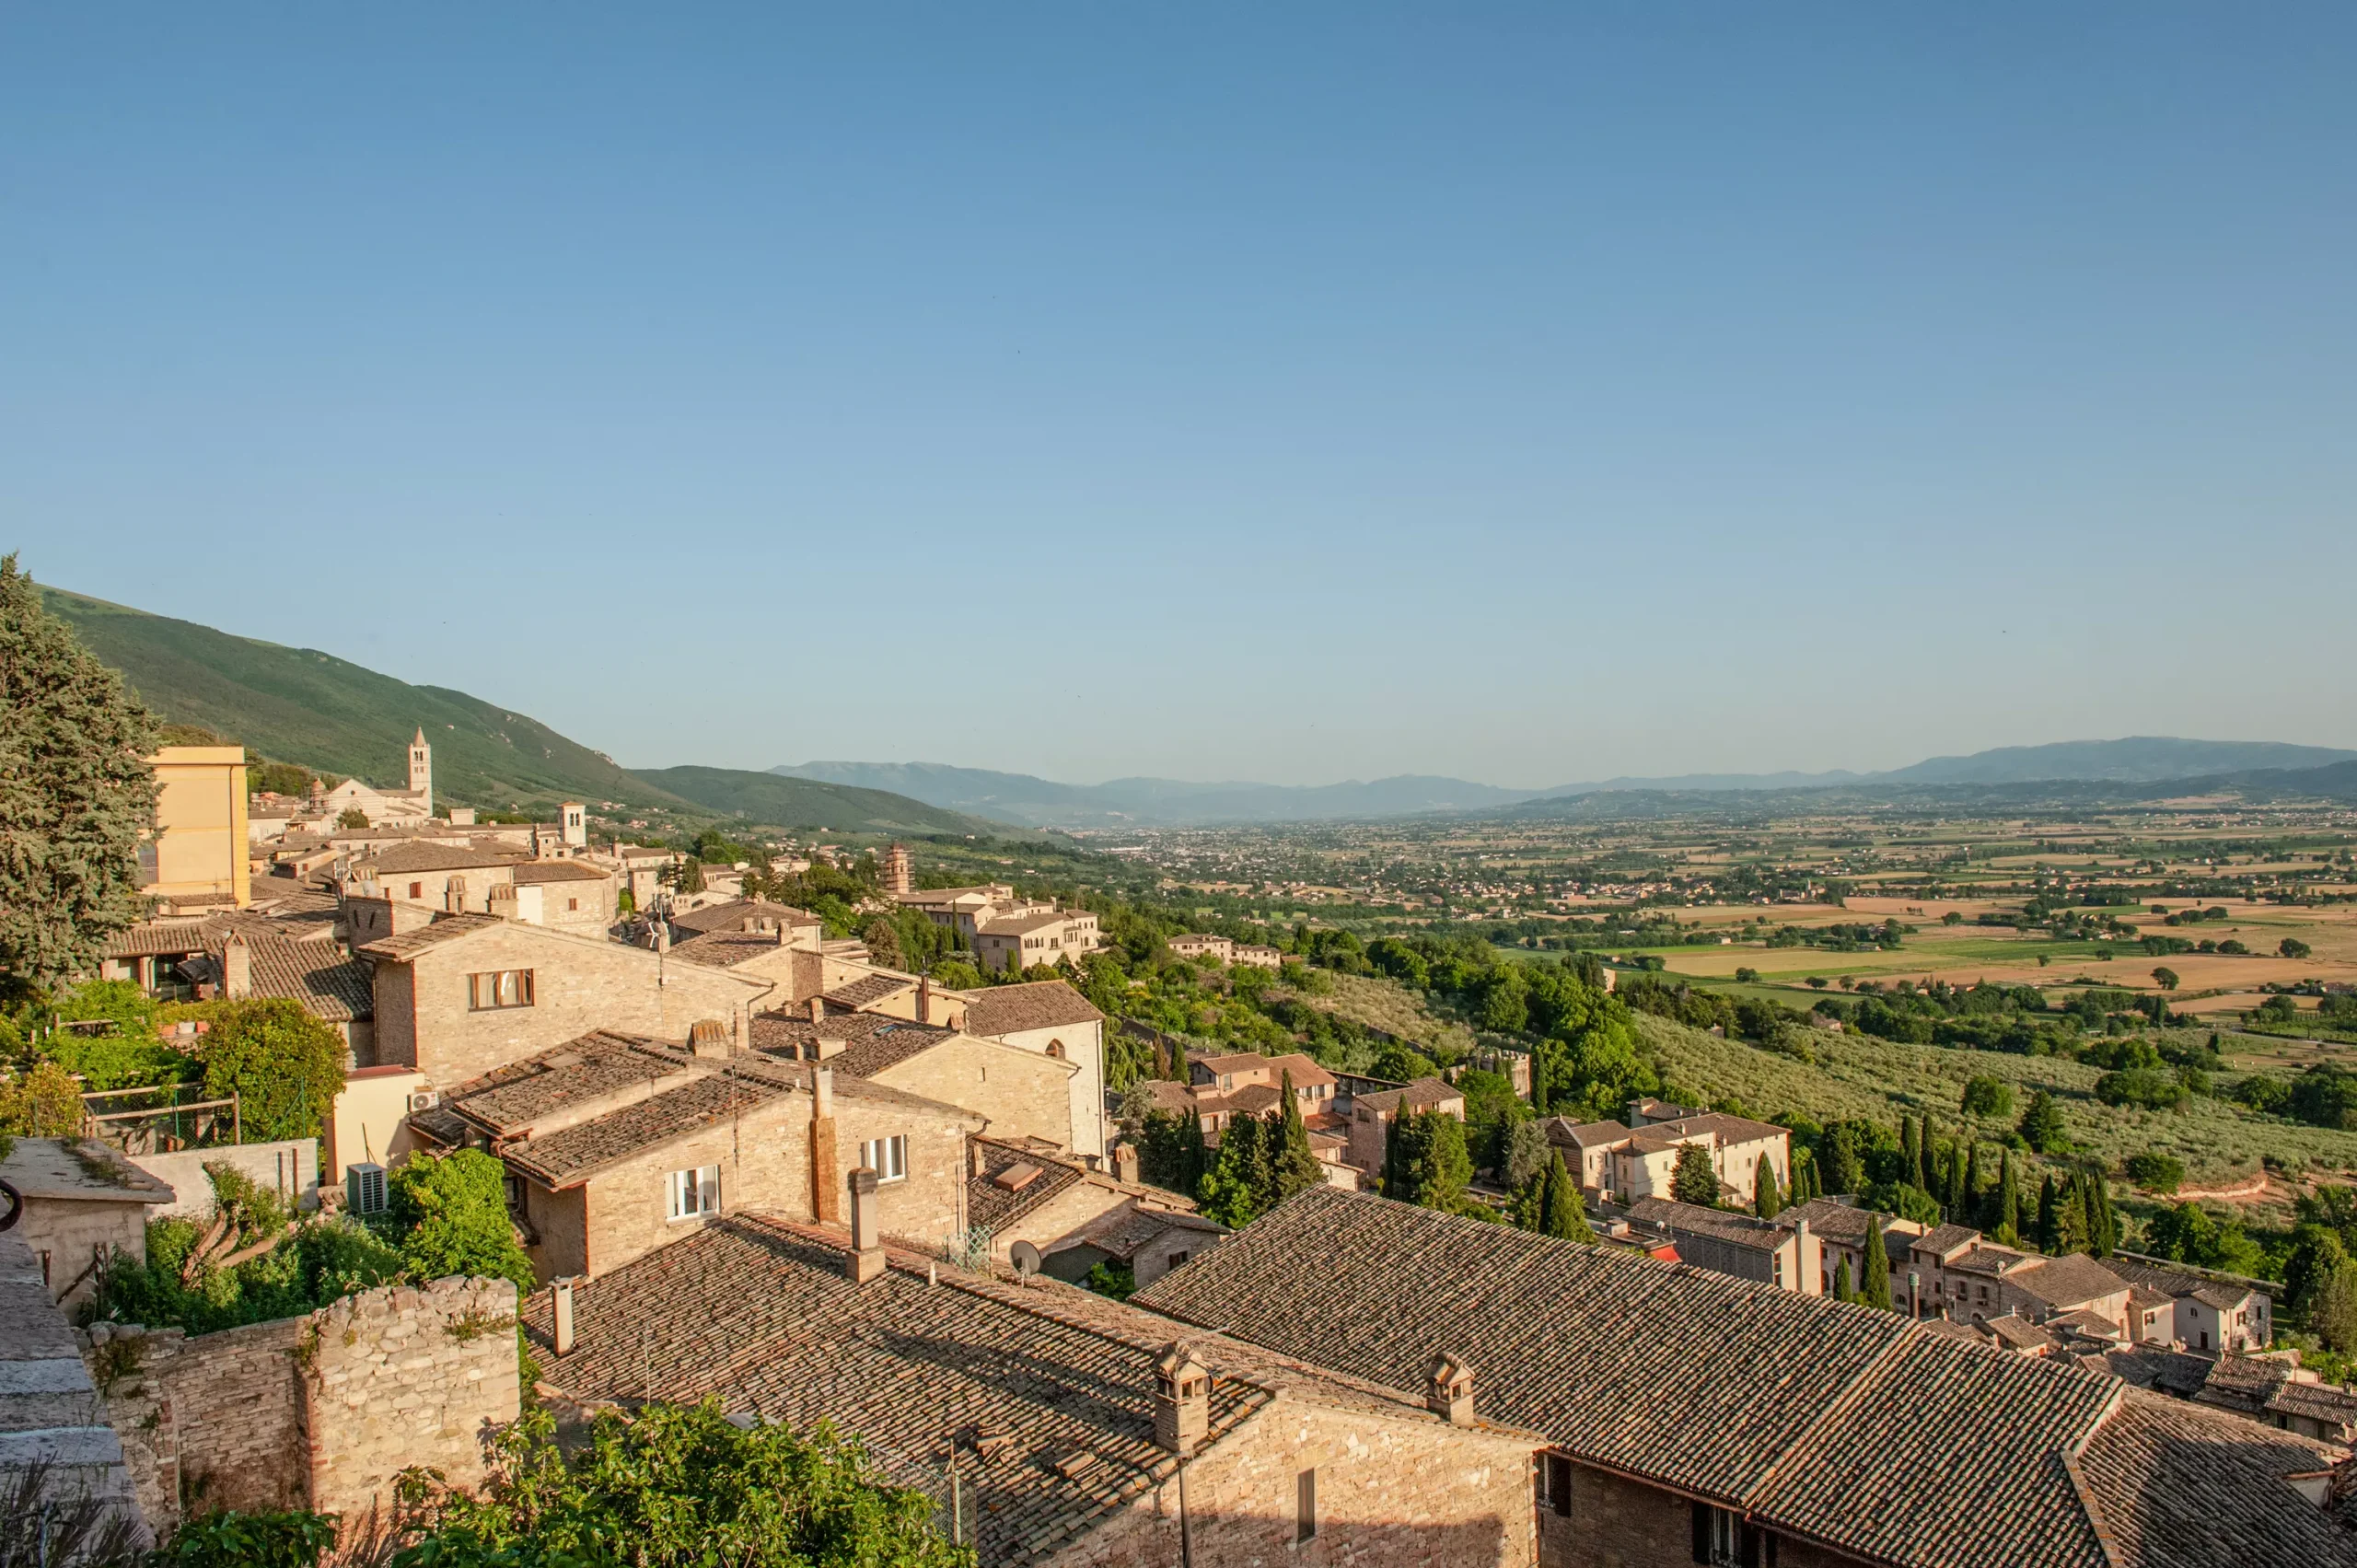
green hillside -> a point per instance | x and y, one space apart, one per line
303 706
805 802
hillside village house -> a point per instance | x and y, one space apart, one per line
616 1146
1622 1163
1041 937
1020 1092
1024 1189
1788 1256
1372 1114
469 993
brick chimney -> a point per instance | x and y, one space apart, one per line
867 1243
1182 1400
1449 1390
454 895
236 968
826 1186
500 899
817 1009
1125 1163
708 1038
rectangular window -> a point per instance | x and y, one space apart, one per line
417 890
1555 1479
572 904
500 988
1305 1524
1721 1539
695 1194
887 1158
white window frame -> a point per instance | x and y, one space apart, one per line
887 1158
692 1194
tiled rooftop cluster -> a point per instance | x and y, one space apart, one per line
1855 1428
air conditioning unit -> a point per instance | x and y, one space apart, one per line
425 1099
364 1188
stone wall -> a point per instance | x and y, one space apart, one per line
401 1377
1390 1490
1026 1094
316 1412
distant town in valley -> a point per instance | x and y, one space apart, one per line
1183 1189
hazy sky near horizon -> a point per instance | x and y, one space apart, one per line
1528 393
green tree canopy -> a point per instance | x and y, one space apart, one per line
1875 1290
284 1066
77 794
2042 1126
680 1487
1767 1199
1695 1180
453 1212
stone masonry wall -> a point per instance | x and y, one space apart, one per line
401 1377
209 1422
1025 1094
319 1411
1390 1490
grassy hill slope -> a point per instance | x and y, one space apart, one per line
806 803
303 706
1857 1074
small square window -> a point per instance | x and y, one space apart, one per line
695 1194
887 1158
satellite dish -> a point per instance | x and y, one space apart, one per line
1027 1258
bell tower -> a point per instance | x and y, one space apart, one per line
421 771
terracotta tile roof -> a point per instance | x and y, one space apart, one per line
1019 925
407 945
1424 1094
597 1064
1585 1135
1736 1230
1942 1239
726 949
2178 1485
909 1367
418 855
2069 1281
1795 1407
171 939
539 871
874 1043
1040 1005
316 974
993 1204
1719 1125
2015 1332
868 990
732 916
1125 1231
580 1151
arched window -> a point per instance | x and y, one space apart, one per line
1056 1049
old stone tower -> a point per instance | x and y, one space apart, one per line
897 874
421 771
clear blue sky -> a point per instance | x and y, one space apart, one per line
1293 393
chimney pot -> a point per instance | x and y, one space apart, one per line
1449 1390
708 1038
1125 1163
1182 1400
867 1248
817 1009
236 968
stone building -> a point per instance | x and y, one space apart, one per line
1372 1114
1050 1016
1624 1162
315 976
616 1146
84 1205
1841 1229
1694 1417
573 895
1788 1256
1049 1425
1022 1093
469 993
385 807
1041 936
1077 1216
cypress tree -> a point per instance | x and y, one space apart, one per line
1933 1173
78 794
1972 1190
1841 1282
1956 1200
1766 1200
2103 1228
1563 1211
1394 1182
2048 1232
1876 1291
2009 1202
1910 1153
1295 1168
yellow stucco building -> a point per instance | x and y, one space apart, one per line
197 857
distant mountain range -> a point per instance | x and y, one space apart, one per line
1150 802
303 706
